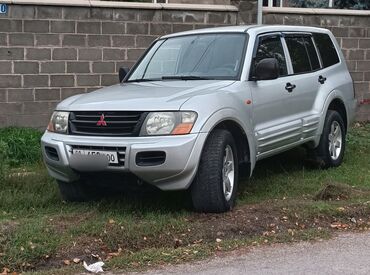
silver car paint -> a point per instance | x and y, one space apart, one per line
274 121
147 96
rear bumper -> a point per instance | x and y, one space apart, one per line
177 171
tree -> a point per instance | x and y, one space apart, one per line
352 4
338 4
309 3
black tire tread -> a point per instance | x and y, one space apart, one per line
321 152
207 190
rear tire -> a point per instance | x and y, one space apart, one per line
77 191
330 151
215 185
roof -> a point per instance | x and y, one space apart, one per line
247 28
212 30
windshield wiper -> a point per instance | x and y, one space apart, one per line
185 77
171 77
143 79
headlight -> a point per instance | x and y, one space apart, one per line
168 123
59 122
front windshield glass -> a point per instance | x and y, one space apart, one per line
203 56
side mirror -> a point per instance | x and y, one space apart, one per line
123 71
266 69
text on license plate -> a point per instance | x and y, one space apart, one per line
112 156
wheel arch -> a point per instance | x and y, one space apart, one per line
241 134
337 104
334 101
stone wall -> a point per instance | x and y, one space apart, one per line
48 53
352 30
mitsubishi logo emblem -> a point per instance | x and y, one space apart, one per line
101 121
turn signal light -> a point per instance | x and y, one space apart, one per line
182 129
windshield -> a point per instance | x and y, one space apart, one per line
192 57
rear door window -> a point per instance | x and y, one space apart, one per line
312 54
328 53
298 54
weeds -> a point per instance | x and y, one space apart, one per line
3 159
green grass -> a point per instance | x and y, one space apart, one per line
23 145
286 175
38 231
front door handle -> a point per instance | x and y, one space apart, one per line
322 79
289 87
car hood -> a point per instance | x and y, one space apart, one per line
143 96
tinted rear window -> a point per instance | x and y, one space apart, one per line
298 54
326 49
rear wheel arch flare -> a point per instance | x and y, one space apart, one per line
337 105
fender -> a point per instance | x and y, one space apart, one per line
232 115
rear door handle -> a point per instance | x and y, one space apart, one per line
289 87
322 79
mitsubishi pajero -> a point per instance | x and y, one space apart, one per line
200 104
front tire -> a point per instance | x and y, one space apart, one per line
330 151
215 185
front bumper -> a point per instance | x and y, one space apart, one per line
176 173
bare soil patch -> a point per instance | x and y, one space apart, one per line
339 191
269 220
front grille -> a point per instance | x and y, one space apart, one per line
121 152
118 123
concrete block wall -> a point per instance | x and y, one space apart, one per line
48 53
352 30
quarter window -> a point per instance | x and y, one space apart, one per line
326 49
271 47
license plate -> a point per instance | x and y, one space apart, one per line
112 156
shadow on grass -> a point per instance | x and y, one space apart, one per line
155 200
286 162
139 202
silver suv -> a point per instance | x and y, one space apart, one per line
198 105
